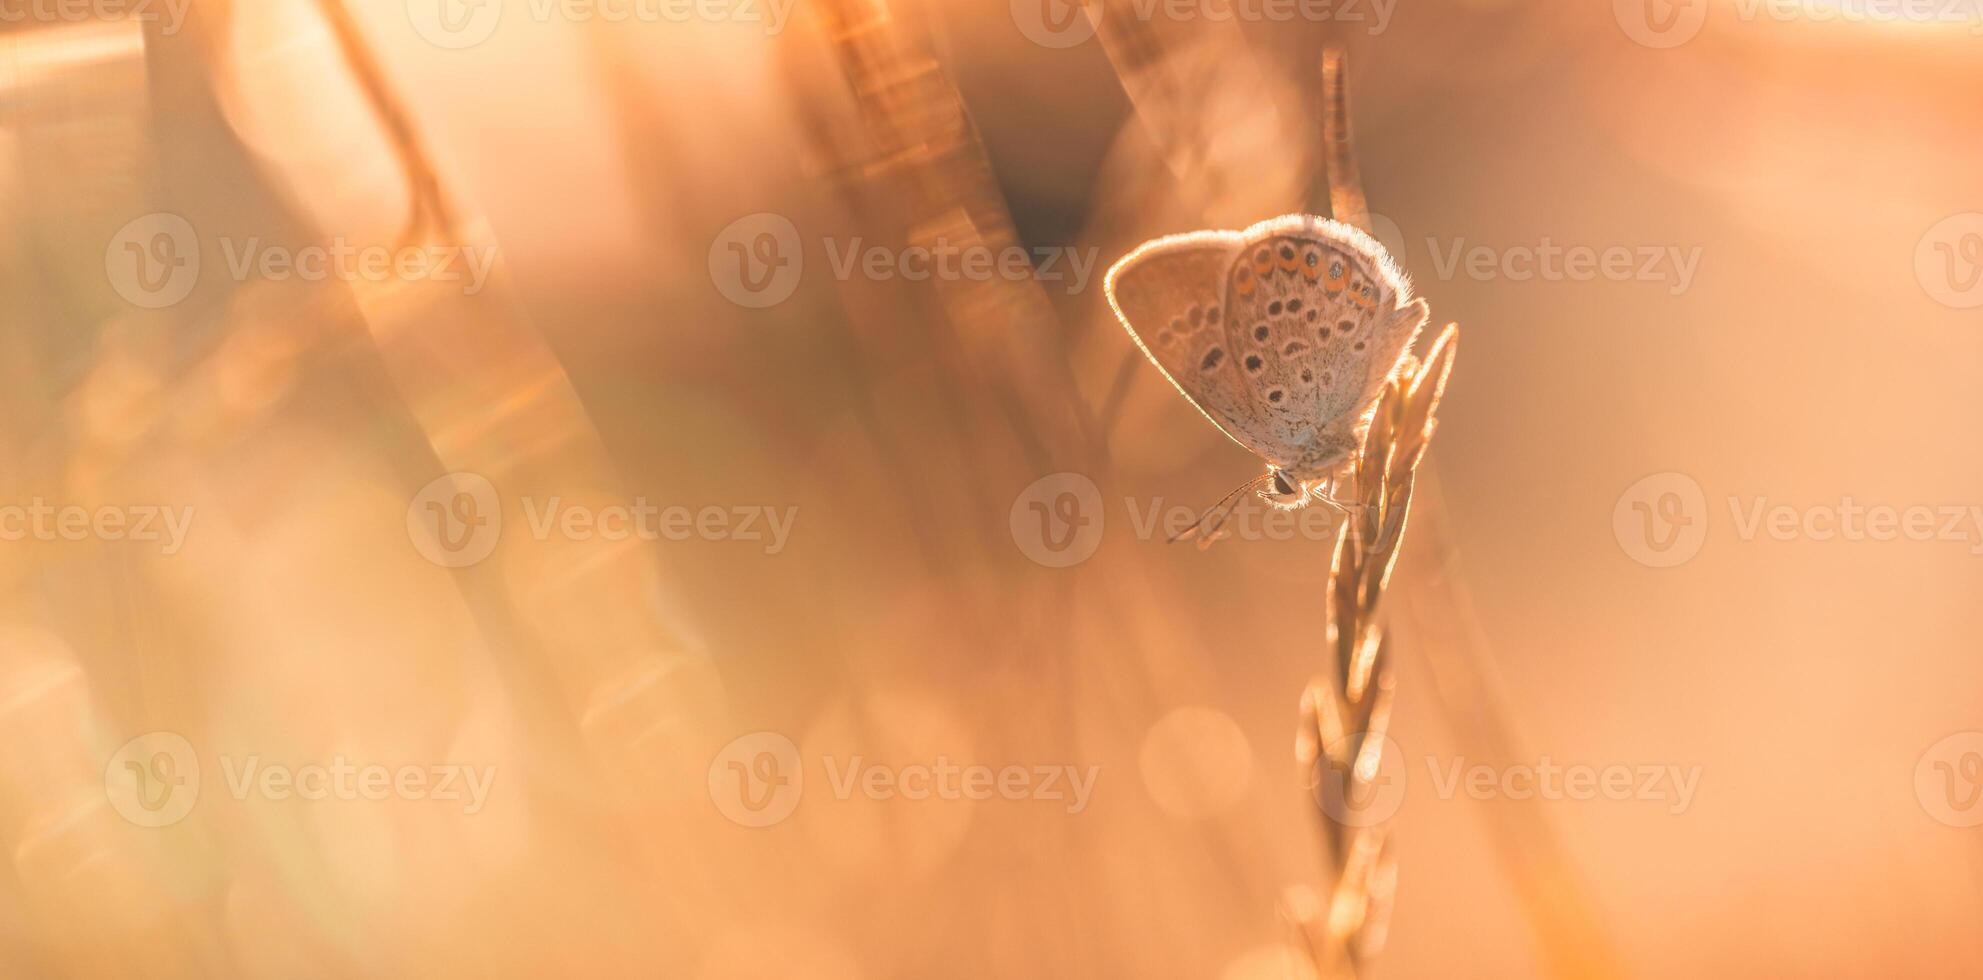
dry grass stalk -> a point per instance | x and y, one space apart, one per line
1345 714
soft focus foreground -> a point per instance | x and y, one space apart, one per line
514 490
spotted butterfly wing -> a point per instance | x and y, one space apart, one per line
1279 334
1170 295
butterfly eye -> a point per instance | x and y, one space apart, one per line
1294 306
1260 332
1254 363
1274 308
1335 270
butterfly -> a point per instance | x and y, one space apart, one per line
1283 335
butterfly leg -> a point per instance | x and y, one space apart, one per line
1325 492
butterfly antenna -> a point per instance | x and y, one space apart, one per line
1213 521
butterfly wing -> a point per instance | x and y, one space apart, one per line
1319 316
1278 334
1169 294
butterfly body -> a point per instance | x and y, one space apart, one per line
1283 335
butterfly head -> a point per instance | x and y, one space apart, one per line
1313 475
1286 491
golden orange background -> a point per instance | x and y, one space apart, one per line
1805 163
